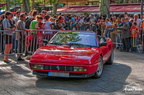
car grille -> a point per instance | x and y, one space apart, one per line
57 67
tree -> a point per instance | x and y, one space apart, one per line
105 8
7 5
26 5
32 4
55 5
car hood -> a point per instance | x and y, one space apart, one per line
64 54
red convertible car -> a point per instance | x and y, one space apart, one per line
73 54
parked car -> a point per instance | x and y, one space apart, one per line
73 54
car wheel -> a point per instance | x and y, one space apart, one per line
111 59
99 71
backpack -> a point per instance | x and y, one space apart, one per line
28 22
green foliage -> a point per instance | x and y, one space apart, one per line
85 13
35 5
12 3
3 2
117 1
54 1
66 37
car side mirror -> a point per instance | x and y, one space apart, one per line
103 44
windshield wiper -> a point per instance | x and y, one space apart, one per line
77 44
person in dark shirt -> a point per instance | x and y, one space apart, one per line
20 36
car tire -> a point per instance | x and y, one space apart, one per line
111 59
99 71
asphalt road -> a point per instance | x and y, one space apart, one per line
127 71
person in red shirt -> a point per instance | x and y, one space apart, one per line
60 19
40 25
134 32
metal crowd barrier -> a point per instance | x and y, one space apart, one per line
140 46
24 42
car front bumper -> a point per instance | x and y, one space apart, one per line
71 75
64 72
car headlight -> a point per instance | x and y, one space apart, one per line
36 66
80 69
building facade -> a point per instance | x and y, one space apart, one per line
95 2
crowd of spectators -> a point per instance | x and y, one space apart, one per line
125 30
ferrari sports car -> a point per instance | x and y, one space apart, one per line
73 54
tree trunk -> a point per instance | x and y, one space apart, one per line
7 5
105 8
55 8
33 4
26 5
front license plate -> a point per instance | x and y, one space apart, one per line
58 74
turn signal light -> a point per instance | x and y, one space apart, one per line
36 66
80 69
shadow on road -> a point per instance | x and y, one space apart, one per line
113 79
13 67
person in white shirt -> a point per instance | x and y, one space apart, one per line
108 30
137 20
48 24
16 17
81 19
92 18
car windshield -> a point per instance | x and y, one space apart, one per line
77 39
